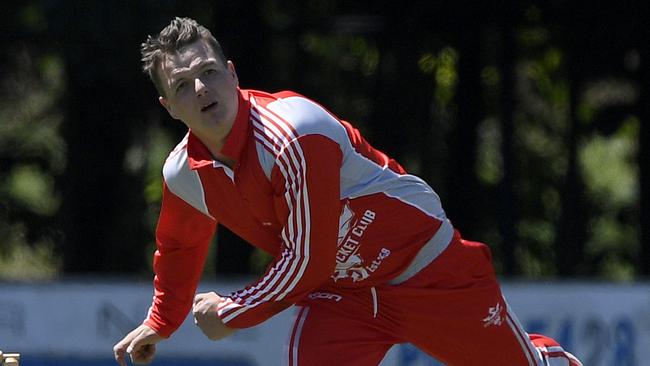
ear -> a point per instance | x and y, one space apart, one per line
165 103
231 68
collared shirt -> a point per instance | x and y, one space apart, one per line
307 188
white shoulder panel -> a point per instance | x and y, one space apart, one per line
360 176
183 181
308 118
302 115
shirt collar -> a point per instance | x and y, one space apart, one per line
199 155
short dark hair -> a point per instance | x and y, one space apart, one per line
178 34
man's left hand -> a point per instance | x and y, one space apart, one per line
206 318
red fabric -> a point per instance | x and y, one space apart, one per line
312 253
456 293
550 349
345 336
442 311
452 309
182 239
259 210
363 147
239 133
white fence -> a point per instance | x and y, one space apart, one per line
603 324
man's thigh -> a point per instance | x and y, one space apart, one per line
454 311
473 332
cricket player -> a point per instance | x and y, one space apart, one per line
361 246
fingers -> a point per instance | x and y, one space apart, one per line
199 297
143 355
137 342
119 350
140 344
204 296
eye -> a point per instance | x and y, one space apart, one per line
209 72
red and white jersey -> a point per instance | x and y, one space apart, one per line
308 189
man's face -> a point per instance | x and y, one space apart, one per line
201 90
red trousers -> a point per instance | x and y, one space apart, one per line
452 309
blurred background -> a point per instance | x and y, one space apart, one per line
529 118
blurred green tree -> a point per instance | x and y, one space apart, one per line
529 119
31 147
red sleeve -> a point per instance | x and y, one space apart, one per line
308 170
182 237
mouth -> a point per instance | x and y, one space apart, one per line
209 106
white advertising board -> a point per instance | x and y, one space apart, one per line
603 324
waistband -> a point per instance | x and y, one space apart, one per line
429 251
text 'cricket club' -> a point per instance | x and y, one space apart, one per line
349 263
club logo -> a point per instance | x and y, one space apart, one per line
349 263
495 316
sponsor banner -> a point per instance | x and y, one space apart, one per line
603 324
85 320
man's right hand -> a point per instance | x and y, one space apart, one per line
140 344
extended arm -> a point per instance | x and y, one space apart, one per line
182 238
307 175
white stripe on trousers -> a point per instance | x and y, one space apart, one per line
525 342
294 338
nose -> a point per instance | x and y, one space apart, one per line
200 87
